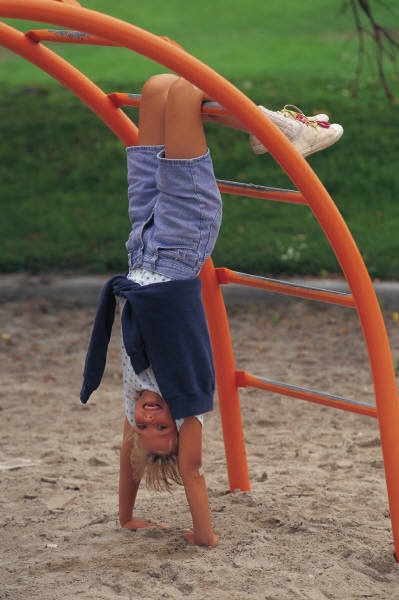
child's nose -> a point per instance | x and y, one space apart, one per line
147 417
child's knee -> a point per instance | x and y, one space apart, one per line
182 86
183 92
158 85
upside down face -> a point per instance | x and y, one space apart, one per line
154 424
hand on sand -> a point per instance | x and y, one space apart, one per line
211 542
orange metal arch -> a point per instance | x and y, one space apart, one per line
174 58
73 79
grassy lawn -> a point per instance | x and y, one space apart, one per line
63 195
240 40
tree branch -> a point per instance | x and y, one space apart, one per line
385 41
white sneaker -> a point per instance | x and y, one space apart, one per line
308 134
293 112
313 139
283 120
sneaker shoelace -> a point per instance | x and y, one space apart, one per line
293 112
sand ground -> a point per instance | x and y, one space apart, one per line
315 525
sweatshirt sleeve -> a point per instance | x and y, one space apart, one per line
97 351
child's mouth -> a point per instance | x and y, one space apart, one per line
151 406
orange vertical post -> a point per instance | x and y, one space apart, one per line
229 400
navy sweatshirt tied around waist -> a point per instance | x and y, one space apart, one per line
163 325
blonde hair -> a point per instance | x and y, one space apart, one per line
159 471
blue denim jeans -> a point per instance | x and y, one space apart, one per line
175 210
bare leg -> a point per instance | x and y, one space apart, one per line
152 109
170 114
184 132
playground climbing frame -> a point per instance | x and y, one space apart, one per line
89 27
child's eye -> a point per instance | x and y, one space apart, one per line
141 427
162 427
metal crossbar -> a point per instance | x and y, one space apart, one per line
226 276
245 379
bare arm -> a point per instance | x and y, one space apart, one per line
128 487
192 474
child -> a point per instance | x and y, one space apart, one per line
175 210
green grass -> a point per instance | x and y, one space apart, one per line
62 173
252 39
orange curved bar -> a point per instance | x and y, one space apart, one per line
73 2
73 79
